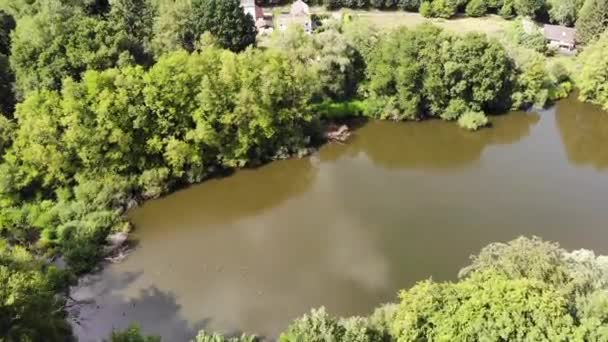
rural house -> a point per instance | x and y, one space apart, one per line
262 22
299 15
560 36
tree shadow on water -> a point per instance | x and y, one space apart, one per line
101 304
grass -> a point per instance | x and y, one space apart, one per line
492 25
341 110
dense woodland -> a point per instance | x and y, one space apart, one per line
107 103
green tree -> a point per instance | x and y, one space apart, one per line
528 8
564 12
592 79
7 25
476 8
485 307
171 26
30 309
409 5
592 20
444 8
225 20
7 98
61 42
135 18
421 72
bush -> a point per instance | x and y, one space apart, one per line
473 120
476 8
592 79
203 336
534 40
426 10
485 307
318 326
455 109
444 8
426 72
132 334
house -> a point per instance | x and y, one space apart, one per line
560 36
255 11
262 22
298 15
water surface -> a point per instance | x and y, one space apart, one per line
351 225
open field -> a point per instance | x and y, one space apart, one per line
493 25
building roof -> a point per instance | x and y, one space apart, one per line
257 10
299 7
560 33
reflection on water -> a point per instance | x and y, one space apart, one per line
584 132
351 225
433 145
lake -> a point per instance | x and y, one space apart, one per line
352 224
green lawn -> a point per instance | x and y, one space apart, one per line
492 25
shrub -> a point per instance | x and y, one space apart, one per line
444 8
455 109
472 120
592 79
486 307
203 336
132 334
318 326
476 8
426 10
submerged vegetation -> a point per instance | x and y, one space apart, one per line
108 103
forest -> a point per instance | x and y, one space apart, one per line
105 104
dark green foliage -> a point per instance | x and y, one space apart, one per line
61 42
592 20
135 18
477 8
417 73
225 20
7 98
7 25
6 134
528 8
409 5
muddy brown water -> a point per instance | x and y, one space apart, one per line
352 224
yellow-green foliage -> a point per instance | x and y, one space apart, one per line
472 120
30 310
593 79
486 307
